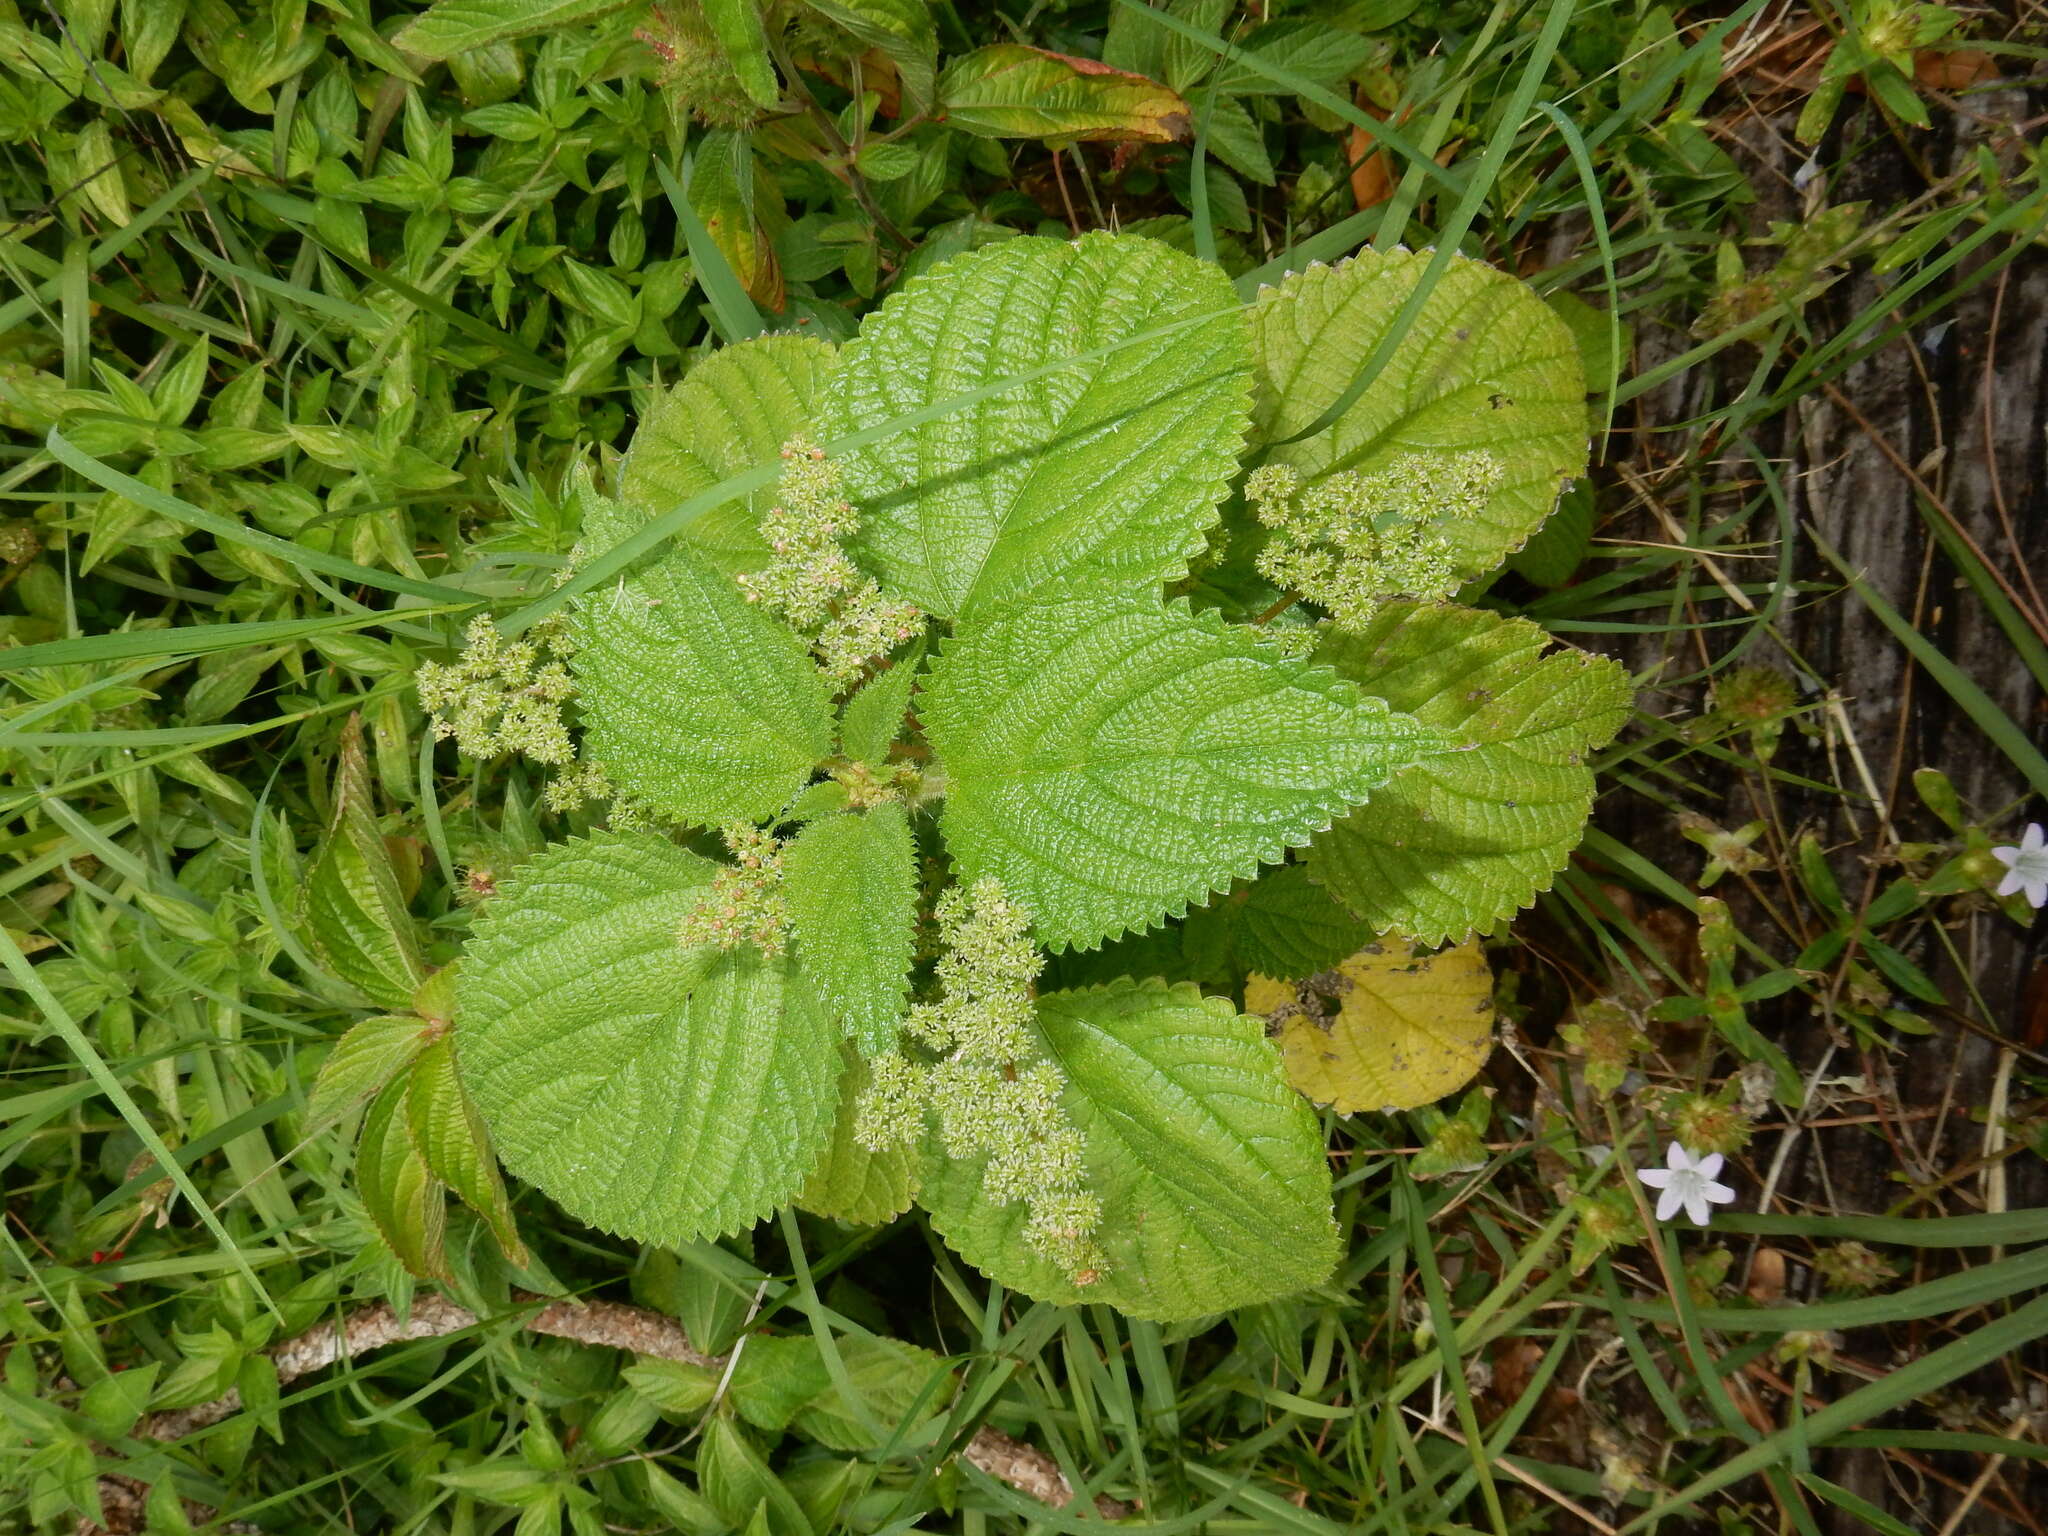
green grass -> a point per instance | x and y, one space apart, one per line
292 392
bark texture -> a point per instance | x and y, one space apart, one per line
1943 426
604 1324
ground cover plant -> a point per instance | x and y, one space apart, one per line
944 667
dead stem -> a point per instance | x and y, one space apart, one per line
604 1324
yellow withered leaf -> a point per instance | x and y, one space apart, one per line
1388 1029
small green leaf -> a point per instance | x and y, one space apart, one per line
622 1425
1112 761
873 718
852 1184
694 699
1010 91
1486 366
1096 478
1281 924
1238 139
673 1386
851 883
737 26
361 1063
725 192
1310 48
774 1376
902 30
735 1478
1467 838
434 999
401 1194
654 1091
355 912
457 26
1142 45
114 1402
451 1139
149 30
732 412
903 1386
1210 1169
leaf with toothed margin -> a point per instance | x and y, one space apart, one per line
852 1184
354 907
851 885
732 412
693 698
1457 843
404 1199
1486 365
1100 477
1111 760
655 1091
1210 1169
449 1136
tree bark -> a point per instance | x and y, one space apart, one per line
1950 418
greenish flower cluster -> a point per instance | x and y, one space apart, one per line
812 584
1352 540
586 781
500 696
866 785
991 1092
745 904
575 785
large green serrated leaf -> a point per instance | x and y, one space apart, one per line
852 1184
1112 760
1210 1169
450 1137
399 1191
693 699
1465 839
457 26
655 1091
732 413
851 884
355 913
1094 478
1486 366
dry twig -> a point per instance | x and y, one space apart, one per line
606 1324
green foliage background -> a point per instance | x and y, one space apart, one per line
307 329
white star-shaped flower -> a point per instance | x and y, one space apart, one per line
1688 1185
2026 867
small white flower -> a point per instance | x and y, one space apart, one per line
1688 1185
2026 867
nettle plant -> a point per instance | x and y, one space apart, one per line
1032 662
